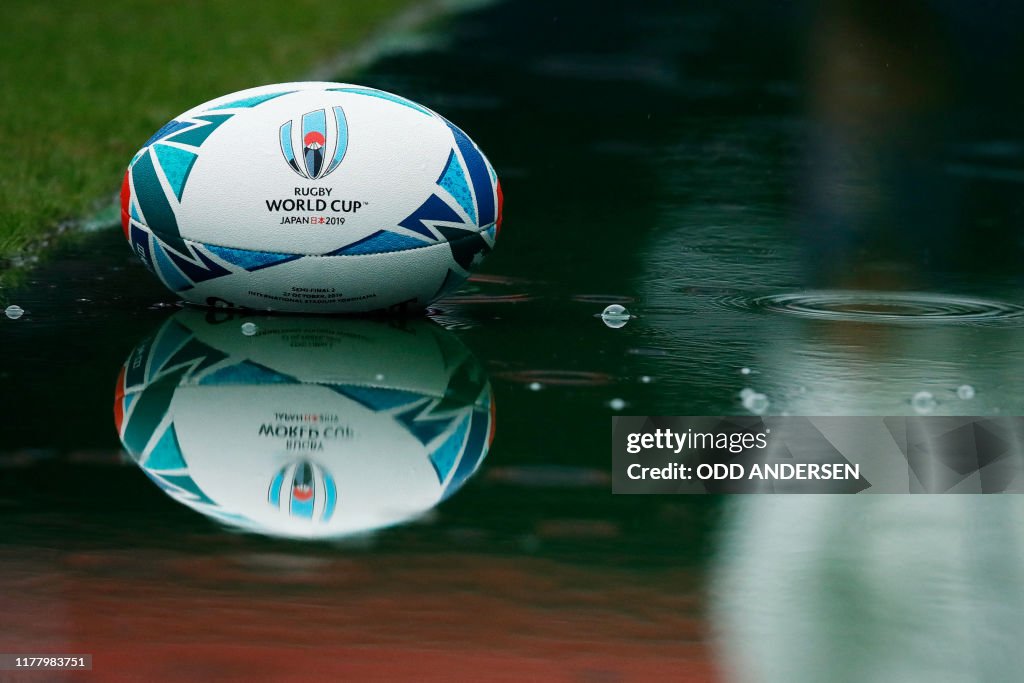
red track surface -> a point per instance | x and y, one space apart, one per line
173 617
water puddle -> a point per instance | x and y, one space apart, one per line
891 307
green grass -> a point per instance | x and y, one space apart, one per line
84 84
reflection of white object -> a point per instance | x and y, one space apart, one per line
318 197
874 588
615 316
923 402
754 402
290 433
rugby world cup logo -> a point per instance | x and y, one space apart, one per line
322 137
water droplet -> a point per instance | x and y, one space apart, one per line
615 316
965 392
535 386
249 329
14 312
756 403
646 379
378 377
744 371
616 404
923 402
745 392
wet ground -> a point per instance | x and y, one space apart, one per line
788 200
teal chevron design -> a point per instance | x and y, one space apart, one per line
166 454
474 451
197 135
149 411
444 457
248 102
176 164
168 128
167 270
156 208
380 94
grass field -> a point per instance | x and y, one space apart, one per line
85 84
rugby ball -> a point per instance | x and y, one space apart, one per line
311 197
311 427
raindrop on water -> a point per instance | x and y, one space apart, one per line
745 392
923 402
744 371
646 379
14 312
965 392
616 404
535 386
249 329
615 316
755 402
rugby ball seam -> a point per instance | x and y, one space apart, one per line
298 254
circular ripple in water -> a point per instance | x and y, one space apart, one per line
892 307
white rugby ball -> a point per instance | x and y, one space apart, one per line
311 197
304 427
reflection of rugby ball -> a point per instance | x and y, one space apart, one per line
308 428
314 197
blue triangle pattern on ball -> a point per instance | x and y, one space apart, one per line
422 425
197 136
380 242
199 272
434 209
478 173
443 458
170 274
168 128
370 92
376 398
473 453
246 373
248 259
453 179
